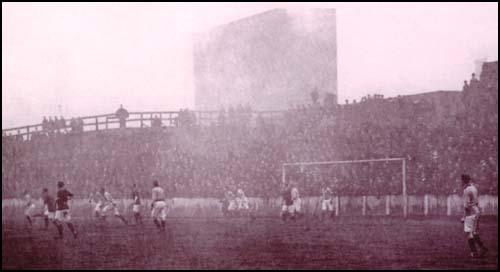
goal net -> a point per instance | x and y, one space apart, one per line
365 187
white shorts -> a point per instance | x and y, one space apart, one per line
136 208
232 205
327 205
288 208
296 204
159 210
110 207
50 215
243 204
63 215
98 207
471 223
30 210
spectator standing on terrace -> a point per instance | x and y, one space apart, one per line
57 124
73 124
62 122
50 124
466 86
45 124
156 122
474 82
122 115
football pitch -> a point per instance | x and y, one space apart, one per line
239 243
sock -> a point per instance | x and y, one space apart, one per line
479 242
72 228
163 224
46 222
472 245
59 229
122 218
157 223
29 220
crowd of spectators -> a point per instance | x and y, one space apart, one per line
204 160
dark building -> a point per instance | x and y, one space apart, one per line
489 75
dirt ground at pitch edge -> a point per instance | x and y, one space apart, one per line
209 243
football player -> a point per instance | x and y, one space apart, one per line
471 217
62 210
326 203
287 205
158 206
107 203
29 209
49 208
136 206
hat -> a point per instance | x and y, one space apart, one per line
60 184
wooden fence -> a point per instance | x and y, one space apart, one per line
135 119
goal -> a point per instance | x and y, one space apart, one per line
397 164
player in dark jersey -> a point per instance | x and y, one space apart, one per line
287 202
50 208
136 206
62 210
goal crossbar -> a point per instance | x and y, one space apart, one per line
336 162
403 166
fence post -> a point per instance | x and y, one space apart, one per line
426 204
106 123
337 205
405 196
363 211
448 206
97 123
141 121
387 205
27 133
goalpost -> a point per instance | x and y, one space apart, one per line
403 172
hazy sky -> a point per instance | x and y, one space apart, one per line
87 59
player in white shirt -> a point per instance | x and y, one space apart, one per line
158 206
232 205
297 202
105 204
228 204
242 200
471 217
242 203
136 206
326 203
98 199
29 209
